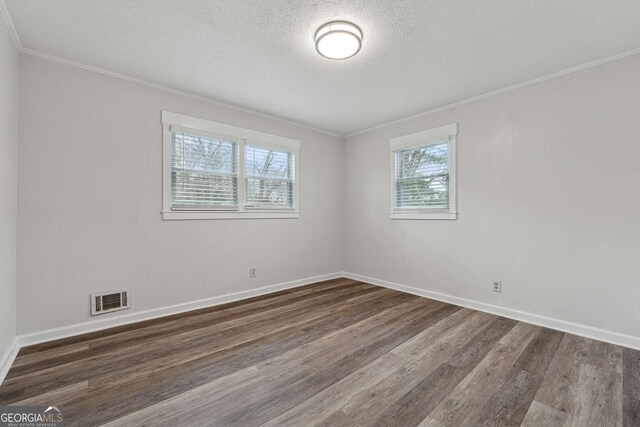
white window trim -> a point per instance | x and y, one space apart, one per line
242 137
420 139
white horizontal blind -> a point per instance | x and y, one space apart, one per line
422 177
204 172
269 177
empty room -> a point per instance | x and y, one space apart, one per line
319 213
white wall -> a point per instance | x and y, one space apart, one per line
548 195
8 176
548 181
90 176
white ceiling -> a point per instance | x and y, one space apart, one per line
258 54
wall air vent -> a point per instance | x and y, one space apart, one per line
106 302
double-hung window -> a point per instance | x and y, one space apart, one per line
218 171
423 182
269 177
204 171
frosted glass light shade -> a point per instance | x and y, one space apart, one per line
338 40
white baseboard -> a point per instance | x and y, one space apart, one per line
96 325
549 322
6 360
99 324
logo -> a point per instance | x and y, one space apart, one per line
31 416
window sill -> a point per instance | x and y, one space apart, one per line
198 215
424 215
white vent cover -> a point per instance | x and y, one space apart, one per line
106 302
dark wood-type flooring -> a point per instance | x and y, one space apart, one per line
335 353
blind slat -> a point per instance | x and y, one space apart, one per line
205 174
269 177
204 171
422 177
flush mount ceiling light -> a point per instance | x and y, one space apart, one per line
338 40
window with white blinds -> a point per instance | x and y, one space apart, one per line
422 177
269 177
423 180
218 171
204 172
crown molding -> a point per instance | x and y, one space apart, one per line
12 29
500 91
157 86
16 39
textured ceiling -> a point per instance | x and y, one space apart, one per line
259 54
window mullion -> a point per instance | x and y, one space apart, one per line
242 176
205 187
423 180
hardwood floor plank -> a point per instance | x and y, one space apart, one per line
558 387
449 335
338 419
419 402
168 412
466 400
430 422
540 414
120 358
316 410
599 397
565 387
453 330
60 396
378 327
174 380
274 404
329 401
343 338
226 338
336 353
263 305
476 349
510 402
631 387
38 359
223 406
248 303
153 336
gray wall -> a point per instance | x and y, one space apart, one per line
90 186
548 195
8 175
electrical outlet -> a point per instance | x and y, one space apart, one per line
497 286
252 272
